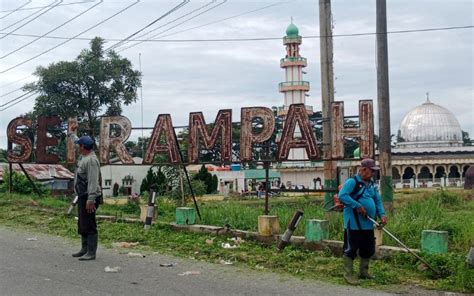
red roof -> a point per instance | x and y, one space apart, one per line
41 172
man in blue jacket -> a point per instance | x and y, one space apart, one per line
361 199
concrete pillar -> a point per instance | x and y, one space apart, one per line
316 230
185 216
268 225
434 241
378 233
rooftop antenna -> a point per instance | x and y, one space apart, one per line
428 97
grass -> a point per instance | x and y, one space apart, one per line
450 211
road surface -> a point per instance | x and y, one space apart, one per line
45 267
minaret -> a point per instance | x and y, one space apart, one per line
294 88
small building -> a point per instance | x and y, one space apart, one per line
54 177
117 175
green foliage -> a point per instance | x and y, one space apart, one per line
95 82
199 189
20 183
402 270
115 190
208 179
130 207
154 179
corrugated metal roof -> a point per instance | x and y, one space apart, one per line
41 172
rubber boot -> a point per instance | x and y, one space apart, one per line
364 269
83 250
349 271
92 240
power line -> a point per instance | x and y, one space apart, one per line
16 81
69 39
41 12
176 19
52 30
251 39
15 10
26 98
38 7
8 93
177 7
230 17
16 99
168 29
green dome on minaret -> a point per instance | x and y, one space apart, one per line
292 30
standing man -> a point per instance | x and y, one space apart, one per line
87 188
361 199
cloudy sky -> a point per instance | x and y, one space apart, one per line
181 77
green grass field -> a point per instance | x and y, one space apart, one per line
414 211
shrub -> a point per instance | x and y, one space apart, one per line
20 183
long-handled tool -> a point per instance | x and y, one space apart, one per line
381 226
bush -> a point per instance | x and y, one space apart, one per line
209 180
156 179
131 207
199 189
20 183
448 198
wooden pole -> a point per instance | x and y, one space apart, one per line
327 95
10 170
30 180
383 99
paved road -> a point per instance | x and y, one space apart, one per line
45 267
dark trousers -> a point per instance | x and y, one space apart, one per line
359 240
86 223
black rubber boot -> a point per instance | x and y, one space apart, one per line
83 250
92 240
364 269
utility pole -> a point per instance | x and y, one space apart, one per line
327 94
141 102
383 99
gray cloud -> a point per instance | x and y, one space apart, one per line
207 76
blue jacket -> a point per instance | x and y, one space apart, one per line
370 200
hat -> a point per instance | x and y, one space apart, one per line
369 163
85 140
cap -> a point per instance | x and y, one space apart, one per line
85 140
369 163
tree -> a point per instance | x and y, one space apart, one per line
154 179
20 183
466 139
95 83
207 178
3 155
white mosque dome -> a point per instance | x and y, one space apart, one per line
430 125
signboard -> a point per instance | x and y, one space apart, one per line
163 138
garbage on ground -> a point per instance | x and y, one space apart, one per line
32 239
223 262
228 246
209 241
237 240
125 244
168 264
139 255
112 269
192 272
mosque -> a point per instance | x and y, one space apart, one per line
429 152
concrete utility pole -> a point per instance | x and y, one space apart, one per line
327 94
383 99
